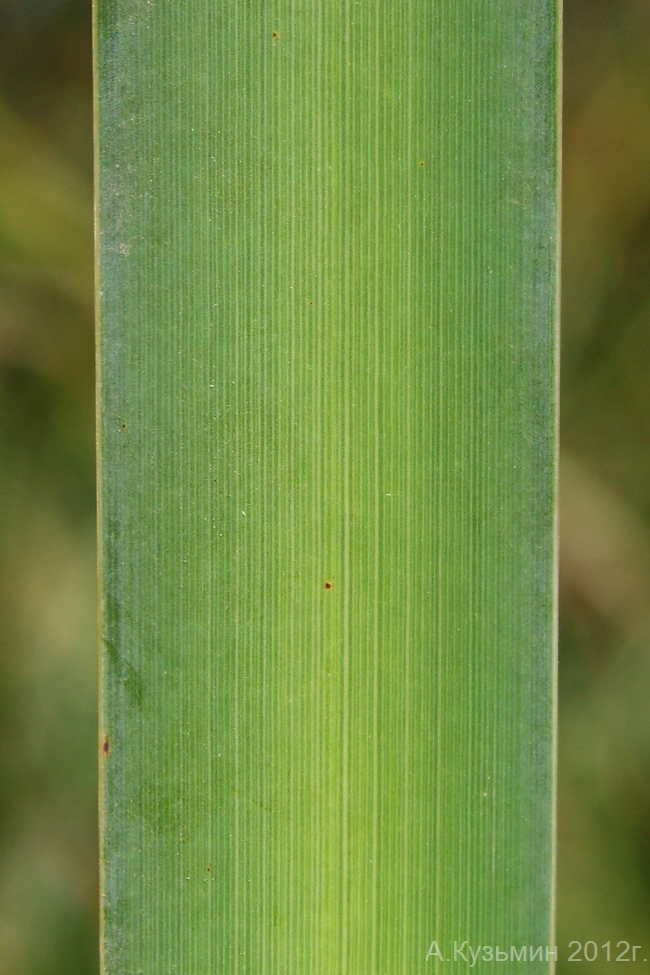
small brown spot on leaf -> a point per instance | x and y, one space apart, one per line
122 426
275 35
421 163
106 746
328 585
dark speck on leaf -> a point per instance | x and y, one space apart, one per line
106 746
328 585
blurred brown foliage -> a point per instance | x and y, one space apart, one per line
48 875
604 782
48 849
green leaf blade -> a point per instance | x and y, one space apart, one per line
327 350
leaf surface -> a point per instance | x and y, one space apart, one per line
327 357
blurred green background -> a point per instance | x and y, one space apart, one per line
48 877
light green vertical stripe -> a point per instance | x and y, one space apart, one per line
327 356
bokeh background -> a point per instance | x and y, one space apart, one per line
48 876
